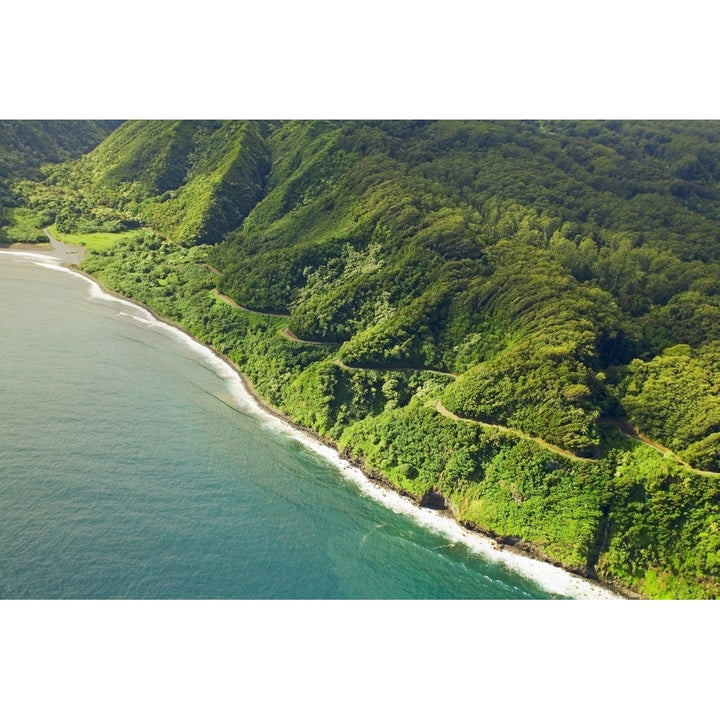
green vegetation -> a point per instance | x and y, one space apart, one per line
24 226
551 278
675 398
94 241
192 181
25 147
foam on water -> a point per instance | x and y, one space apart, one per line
33 256
551 578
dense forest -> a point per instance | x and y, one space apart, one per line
517 319
27 145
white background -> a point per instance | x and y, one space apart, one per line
451 59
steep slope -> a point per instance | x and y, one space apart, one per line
471 308
25 145
536 253
192 181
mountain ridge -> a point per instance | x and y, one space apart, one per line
559 272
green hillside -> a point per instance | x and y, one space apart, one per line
192 181
27 145
489 312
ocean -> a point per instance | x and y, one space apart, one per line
134 465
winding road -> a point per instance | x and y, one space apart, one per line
624 427
232 303
511 431
631 433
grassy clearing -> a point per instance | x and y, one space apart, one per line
94 241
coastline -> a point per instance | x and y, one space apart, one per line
521 557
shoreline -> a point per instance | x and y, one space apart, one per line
519 557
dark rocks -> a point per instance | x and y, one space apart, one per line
434 501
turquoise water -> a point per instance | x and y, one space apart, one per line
131 466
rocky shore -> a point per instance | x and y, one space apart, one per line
70 256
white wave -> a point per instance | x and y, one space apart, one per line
5 252
33 256
551 578
97 294
36 257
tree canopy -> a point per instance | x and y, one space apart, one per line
546 282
